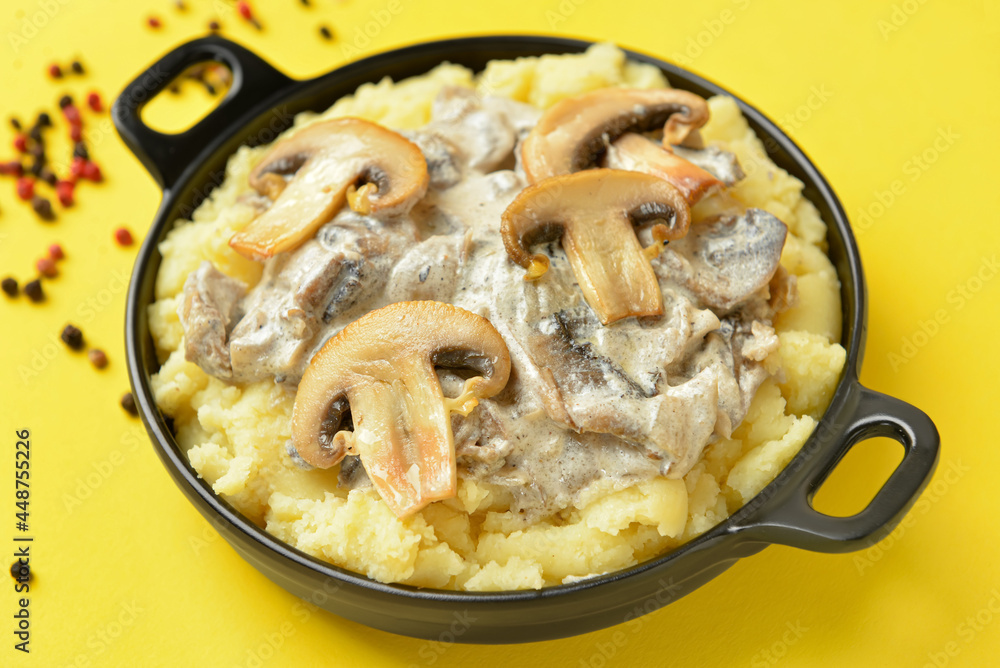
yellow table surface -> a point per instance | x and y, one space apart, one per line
882 95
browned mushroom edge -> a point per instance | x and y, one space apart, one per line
381 369
326 162
573 134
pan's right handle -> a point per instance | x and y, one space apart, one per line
789 517
167 156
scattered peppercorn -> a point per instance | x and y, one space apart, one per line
179 4
76 167
244 9
123 237
210 88
80 151
325 32
33 289
97 358
76 133
21 143
65 101
35 133
9 285
55 71
92 172
77 66
128 403
94 101
46 266
14 123
153 22
11 168
64 191
21 571
305 3
25 188
44 120
214 26
72 337
71 113
38 151
48 176
175 89
56 252
43 207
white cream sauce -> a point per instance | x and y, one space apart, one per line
638 398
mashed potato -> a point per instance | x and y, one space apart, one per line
235 436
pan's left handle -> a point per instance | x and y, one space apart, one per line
166 156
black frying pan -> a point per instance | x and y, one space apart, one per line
259 105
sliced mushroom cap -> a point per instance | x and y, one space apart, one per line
573 134
381 369
634 152
594 213
733 257
327 160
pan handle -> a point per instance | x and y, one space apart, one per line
166 156
786 515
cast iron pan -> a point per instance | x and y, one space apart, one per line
260 104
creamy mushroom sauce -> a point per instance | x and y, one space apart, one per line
625 402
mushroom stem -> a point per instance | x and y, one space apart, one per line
593 212
383 367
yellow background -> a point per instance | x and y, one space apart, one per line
132 575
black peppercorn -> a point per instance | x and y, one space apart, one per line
80 151
44 120
72 337
9 285
42 207
33 289
77 66
325 32
65 101
128 403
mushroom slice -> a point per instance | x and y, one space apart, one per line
381 369
732 257
327 160
573 134
636 153
594 213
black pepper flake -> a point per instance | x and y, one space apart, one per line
65 101
72 337
214 26
9 285
36 168
175 89
210 88
80 151
128 403
16 124
77 67
33 289
48 176
325 32
424 273
42 207
305 3
36 135
44 120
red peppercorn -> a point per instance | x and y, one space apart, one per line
244 9
76 167
55 71
153 22
64 191
71 113
21 143
46 266
25 188
92 172
123 237
94 102
12 168
56 252
76 132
